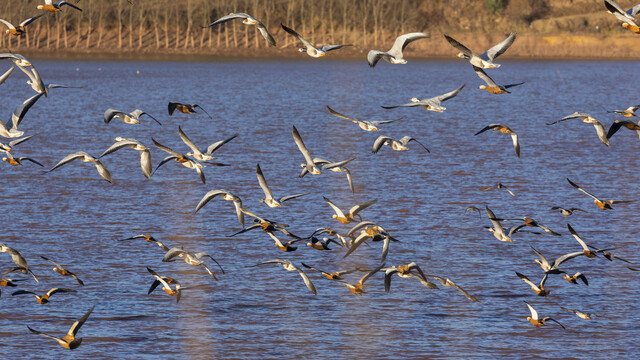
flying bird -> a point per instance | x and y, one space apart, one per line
492 86
225 195
145 155
363 124
588 119
505 130
309 48
247 20
196 153
44 299
484 61
602 204
431 104
84 157
349 216
627 17
394 55
268 195
185 108
51 7
131 118
289 266
617 124
69 341
62 271
19 30
535 320
398 145
309 164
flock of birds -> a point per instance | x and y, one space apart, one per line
323 237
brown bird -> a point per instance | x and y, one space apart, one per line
148 238
535 319
166 282
552 268
51 7
69 341
602 204
44 299
288 265
628 112
62 271
579 313
350 215
185 108
358 287
411 270
491 86
567 212
447 282
336 275
505 130
19 30
18 161
574 279
617 124
9 282
539 289
587 252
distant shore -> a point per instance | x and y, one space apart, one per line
526 47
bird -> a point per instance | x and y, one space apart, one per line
484 61
69 341
268 195
184 160
18 161
19 30
565 211
145 154
473 208
394 55
196 153
309 164
587 252
539 289
283 246
44 299
492 86
84 157
627 17
588 119
533 223
289 266
166 285
363 124
131 118
148 238
9 283
309 48
350 215
575 277
535 320
19 113
62 271
499 186
497 230
431 104
267 226
628 112
607 254
51 7
35 80
552 268
6 74
19 260
226 195
248 20
602 204
191 259
397 145
617 124
372 231
447 282
411 270
358 288
334 167
580 314
336 275
185 108
321 244
505 130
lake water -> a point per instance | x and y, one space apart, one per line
75 218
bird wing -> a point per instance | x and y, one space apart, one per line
119 145
265 33
21 110
581 189
543 259
229 17
615 127
516 143
306 280
188 141
292 32
59 290
602 133
488 127
534 313
368 275
483 75
70 158
53 262
529 282
289 197
102 170
350 180
172 107
165 148
213 147
6 75
575 235
137 113
334 207
78 324
356 209
9 25
60 3
456 44
208 196
357 242
173 252
263 183
303 149
500 48
332 47
565 257
375 55
335 113
633 11
403 40
145 163
449 95
387 278
111 113
43 334
379 142
30 20
405 140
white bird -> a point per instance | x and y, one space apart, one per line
363 124
309 48
248 20
432 104
627 17
35 81
309 164
505 130
196 153
587 119
398 145
131 118
484 61
268 195
84 157
226 195
191 259
288 265
145 154
394 55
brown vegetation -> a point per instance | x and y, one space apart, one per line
550 27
